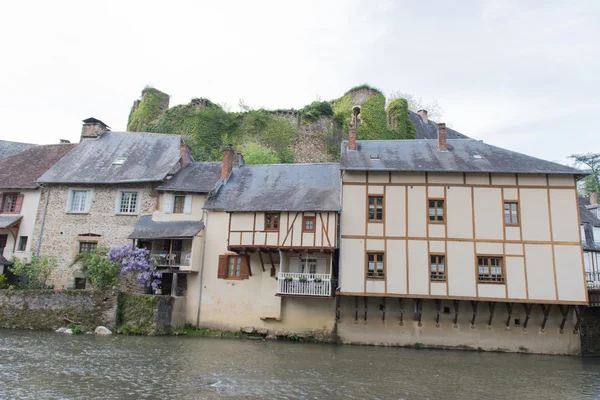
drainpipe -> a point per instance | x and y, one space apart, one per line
202 267
39 242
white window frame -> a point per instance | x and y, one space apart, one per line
88 200
119 199
596 233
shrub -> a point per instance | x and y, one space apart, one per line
254 153
3 282
317 109
139 263
36 273
101 272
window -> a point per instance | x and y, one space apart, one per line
375 265
79 283
22 243
235 266
438 267
11 203
375 208
87 247
309 265
308 224
511 213
271 222
128 203
596 234
490 269
436 210
178 204
78 200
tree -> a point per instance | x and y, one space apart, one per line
37 272
254 153
434 110
102 273
137 262
591 183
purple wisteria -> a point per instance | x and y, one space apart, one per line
136 261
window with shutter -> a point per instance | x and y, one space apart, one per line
11 203
222 272
233 267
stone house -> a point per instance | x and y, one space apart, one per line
20 195
590 239
94 196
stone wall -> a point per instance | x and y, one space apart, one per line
142 314
63 231
46 309
590 331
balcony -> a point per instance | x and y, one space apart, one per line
172 259
299 284
593 279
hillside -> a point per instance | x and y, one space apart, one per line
310 135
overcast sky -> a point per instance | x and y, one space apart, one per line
521 75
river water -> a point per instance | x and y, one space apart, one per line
45 365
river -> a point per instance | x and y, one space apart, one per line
45 365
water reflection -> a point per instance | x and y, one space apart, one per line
40 365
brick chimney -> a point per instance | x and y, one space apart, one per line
92 129
423 115
352 127
185 152
442 137
227 163
594 199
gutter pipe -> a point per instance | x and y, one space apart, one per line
39 241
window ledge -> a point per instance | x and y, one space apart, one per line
78 212
376 221
128 214
376 278
491 283
437 222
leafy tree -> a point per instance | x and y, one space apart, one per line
591 183
254 153
102 273
138 262
36 273
434 109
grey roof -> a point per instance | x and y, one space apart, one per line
4 261
196 177
9 148
429 130
146 228
423 155
280 187
149 157
7 220
587 216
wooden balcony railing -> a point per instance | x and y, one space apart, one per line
292 283
172 259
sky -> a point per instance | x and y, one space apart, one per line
524 75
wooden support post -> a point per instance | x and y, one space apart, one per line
509 310
249 265
564 310
383 309
337 308
546 311
456 307
365 301
492 306
527 308
438 309
579 319
474 307
262 263
271 259
356 309
401 303
418 311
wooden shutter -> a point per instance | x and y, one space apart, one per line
18 204
187 205
245 270
223 261
168 203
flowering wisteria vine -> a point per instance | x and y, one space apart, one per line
139 262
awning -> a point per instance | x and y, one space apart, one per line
6 221
146 228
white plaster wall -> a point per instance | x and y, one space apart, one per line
396 266
418 267
395 213
563 207
515 277
352 265
417 202
29 209
569 273
458 208
195 211
461 269
540 272
488 213
534 214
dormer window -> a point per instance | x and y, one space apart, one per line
119 161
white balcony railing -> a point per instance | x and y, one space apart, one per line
593 279
293 283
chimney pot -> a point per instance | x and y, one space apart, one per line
227 164
442 137
594 199
423 115
185 152
352 128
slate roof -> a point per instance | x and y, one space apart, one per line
7 220
429 130
149 157
280 187
146 228
4 261
21 170
7 148
587 216
423 155
196 177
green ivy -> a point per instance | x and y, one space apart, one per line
398 111
149 109
316 109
